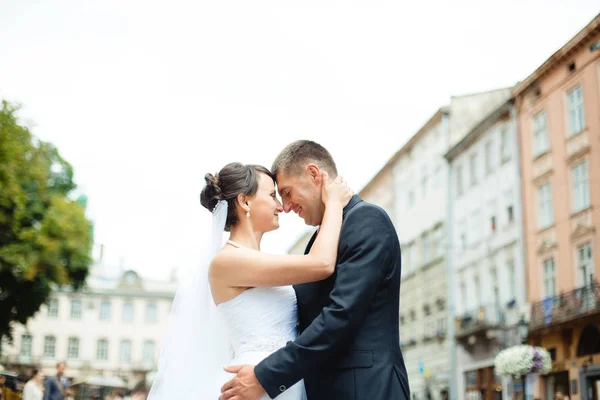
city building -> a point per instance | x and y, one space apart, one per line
487 254
558 109
111 328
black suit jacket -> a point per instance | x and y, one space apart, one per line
349 346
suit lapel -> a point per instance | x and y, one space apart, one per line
311 242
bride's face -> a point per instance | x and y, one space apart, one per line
264 206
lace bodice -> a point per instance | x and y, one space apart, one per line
261 319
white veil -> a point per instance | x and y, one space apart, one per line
195 347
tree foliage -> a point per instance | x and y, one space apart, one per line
45 237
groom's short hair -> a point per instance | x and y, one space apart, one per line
294 157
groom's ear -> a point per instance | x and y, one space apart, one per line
314 172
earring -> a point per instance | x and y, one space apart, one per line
248 214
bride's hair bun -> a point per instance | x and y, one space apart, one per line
211 194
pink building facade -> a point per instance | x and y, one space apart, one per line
558 109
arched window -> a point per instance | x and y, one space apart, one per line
589 341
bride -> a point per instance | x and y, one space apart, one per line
239 306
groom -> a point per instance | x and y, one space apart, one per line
348 347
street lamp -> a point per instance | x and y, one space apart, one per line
522 330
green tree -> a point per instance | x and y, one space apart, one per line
45 237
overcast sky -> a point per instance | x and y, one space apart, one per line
143 98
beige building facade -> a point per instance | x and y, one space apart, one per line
559 120
112 328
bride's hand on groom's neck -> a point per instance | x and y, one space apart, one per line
335 193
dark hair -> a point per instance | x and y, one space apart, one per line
232 180
294 155
34 372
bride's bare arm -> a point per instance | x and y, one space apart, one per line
250 268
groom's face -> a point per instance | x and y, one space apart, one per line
301 193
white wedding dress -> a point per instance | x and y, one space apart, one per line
201 339
261 321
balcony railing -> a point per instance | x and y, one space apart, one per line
479 320
20 359
408 343
565 307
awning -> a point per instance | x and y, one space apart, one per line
96 380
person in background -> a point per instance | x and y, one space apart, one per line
559 395
34 388
2 383
57 387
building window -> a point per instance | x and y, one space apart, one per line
549 278
580 187
102 350
73 348
495 286
413 315
471 378
125 354
463 296
406 261
148 352
510 214
426 248
76 309
459 181
130 278
429 327
439 177
540 131
575 110
512 279
462 235
505 144
426 310
489 157
26 345
473 169
151 312
53 307
441 303
586 268
128 312
440 246
476 227
49 346
545 214
412 256
105 310
441 325
424 182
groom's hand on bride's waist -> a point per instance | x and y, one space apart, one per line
244 386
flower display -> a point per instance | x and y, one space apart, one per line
521 360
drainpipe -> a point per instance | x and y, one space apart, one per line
519 211
452 395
